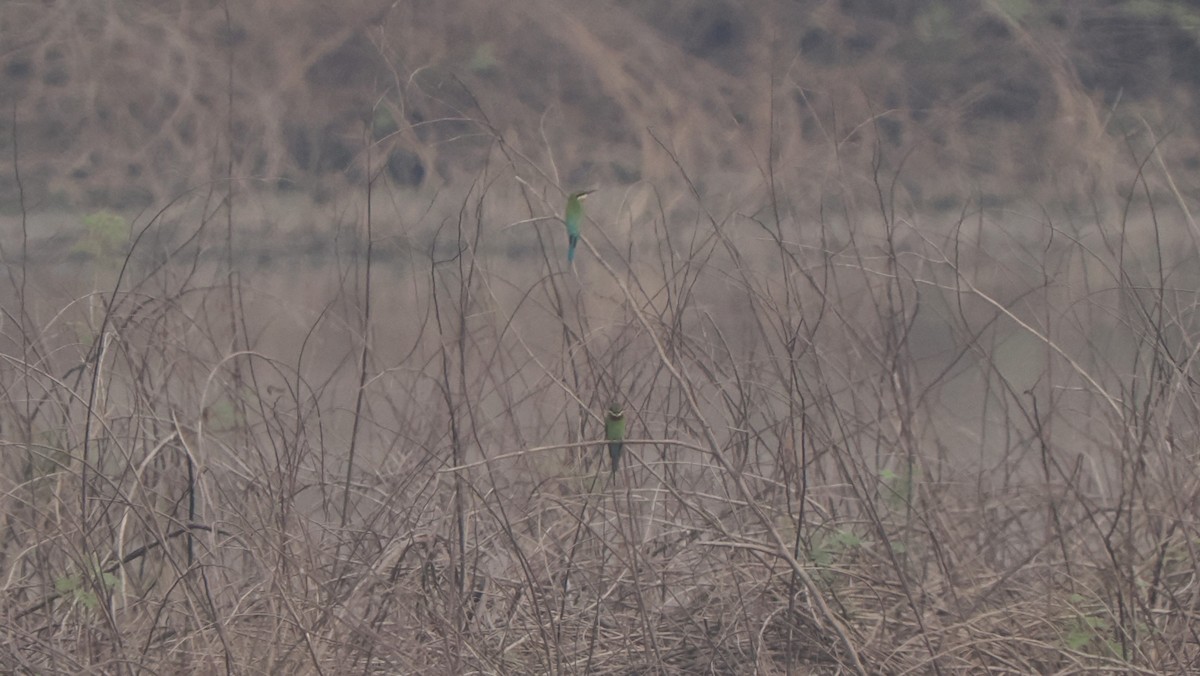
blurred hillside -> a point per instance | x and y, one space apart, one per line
121 103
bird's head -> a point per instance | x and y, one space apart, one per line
615 411
580 195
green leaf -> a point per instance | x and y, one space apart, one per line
383 123
66 585
88 599
1079 636
221 416
820 555
847 539
106 233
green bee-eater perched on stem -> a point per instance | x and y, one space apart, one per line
572 217
614 432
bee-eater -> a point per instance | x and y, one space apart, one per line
614 432
572 218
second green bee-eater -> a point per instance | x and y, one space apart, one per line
573 217
614 432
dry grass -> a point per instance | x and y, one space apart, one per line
863 443
245 433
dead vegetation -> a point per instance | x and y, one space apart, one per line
866 437
887 447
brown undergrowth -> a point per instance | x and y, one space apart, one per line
860 442
879 422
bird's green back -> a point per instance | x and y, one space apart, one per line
572 218
614 425
574 211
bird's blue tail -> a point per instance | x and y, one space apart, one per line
571 242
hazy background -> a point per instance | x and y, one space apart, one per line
124 104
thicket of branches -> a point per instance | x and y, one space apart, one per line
860 441
867 434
